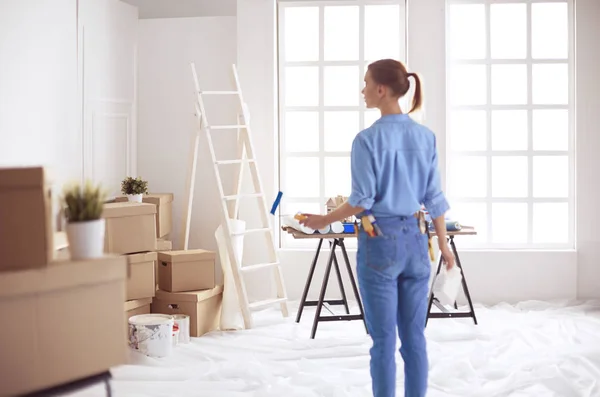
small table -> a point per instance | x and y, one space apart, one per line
335 240
465 231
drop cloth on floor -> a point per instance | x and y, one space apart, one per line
532 349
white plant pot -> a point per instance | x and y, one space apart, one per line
135 198
86 239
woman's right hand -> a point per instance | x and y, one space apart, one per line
447 256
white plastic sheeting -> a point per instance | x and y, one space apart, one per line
231 314
532 349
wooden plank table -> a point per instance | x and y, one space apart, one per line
465 231
335 240
338 240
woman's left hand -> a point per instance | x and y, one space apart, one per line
315 222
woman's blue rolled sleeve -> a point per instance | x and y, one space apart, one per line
437 206
435 201
363 176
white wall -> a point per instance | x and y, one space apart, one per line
183 8
493 276
166 121
107 36
38 86
587 64
62 64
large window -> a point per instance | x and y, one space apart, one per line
324 48
510 141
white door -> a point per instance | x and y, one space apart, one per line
107 41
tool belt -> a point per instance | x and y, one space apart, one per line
424 227
369 225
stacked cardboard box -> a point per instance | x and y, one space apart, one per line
164 214
186 281
64 319
164 220
131 232
26 237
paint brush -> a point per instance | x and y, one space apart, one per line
276 203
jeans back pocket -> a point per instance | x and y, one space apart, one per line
381 251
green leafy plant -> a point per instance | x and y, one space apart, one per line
131 185
83 203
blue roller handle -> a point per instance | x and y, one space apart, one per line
276 203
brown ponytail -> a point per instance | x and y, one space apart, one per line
394 75
417 101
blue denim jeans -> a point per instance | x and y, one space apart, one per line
393 275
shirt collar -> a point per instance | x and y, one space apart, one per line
390 118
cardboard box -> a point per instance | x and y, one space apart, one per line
136 307
26 237
142 282
130 228
164 211
64 322
163 245
188 270
203 307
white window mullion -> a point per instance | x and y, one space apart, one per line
496 61
321 105
529 128
488 67
510 107
511 200
572 133
361 66
281 119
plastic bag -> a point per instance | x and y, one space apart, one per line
447 285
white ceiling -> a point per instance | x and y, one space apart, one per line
183 8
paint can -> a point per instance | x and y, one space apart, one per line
183 322
175 334
337 227
325 230
151 334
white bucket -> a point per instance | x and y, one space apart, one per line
86 239
183 322
151 334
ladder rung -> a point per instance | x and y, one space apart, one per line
226 127
238 161
265 303
250 231
247 195
251 268
219 92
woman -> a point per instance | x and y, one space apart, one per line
394 171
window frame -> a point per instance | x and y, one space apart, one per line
321 108
530 152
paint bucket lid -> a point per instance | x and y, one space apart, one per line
151 319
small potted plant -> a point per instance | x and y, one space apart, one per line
83 206
134 188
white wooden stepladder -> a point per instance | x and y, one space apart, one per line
245 155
